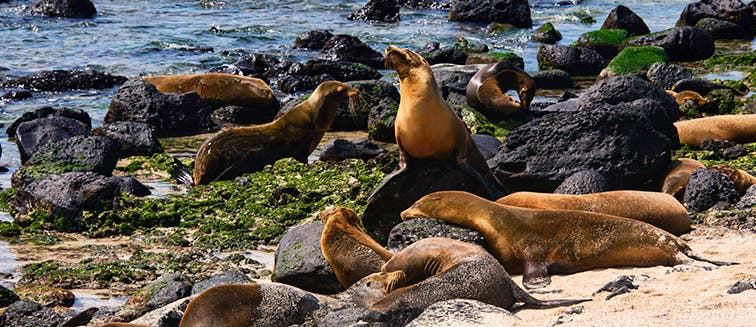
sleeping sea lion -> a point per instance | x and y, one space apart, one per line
659 209
236 151
687 95
735 128
537 243
743 180
678 176
487 90
218 88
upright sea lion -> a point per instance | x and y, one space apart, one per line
537 243
743 180
487 90
236 151
219 88
735 128
659 209
687 95
678 176
350 252
438 269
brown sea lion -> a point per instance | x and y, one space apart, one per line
437 269
122 324
687 95
236 151
537 243
735 128
678 176
487 90
219 88
659 209
743 180
350 252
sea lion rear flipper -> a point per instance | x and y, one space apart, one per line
180 173
529 301
535 274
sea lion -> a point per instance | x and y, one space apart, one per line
236 151
487 90
122 324
350 252
659 209
537 242
687 95
437 269
218 88
678 176
735 128
743 180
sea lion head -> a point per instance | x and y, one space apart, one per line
341 215
367 291
335 90
405 61
440 205
684 96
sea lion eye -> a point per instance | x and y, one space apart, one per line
368 284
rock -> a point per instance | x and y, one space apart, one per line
7 297
342 47
411 231
748 200
29 314
622 17
226 277
231 116
378 10
433 54
66 80
340 149
494 57
681 43
722 30
606 42
300 261
700 86
313 40
750 106
623 284
34 134
43 112
300 83
583 182
131 185
576 61
132 139
45 295
165 316
464 312
547 34
256 64
170 114
162 291
228 69
453 78
515 12
62 8
381 120
706 188
634 60
322 70
64 197
552 79
79 153
666 75
355 316
487 145
730 10
743 285
18 94
721 102
735 152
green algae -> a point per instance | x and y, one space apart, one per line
607 37
727 61
635 60
712 158
479 124
5 196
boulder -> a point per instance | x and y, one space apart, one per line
7 297
583 182
487 145
681 43
62 8
169 114
34 134
17 94
622 17
722 30
700 86
706 188
256 64
515 12
634 60
165 316
342 47
745 284
411 231
43 112
66 80
434 54
606 42
464 312
427 4
29 314
730 10
341 149
300 261
748 200
666 75
224 278
576 61
132 139
381 120
552 79
313 40
453 78
300 83
547 34
162 291
378 10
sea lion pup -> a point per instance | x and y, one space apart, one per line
487 90
659 209
537 243
735 128
687 95
425 125
678 176
218 88
236 151
350 252
438 269
743 180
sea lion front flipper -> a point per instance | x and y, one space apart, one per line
535 274
394 280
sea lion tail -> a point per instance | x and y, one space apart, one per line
530 302
180 173
713 262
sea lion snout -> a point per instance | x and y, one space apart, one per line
413 212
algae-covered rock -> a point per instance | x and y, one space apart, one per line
666 75
634 60
495 56
46 295
547 33
35 134
607 42
681 44
720 29
29 314
724 61
622 17
552 79
164 290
